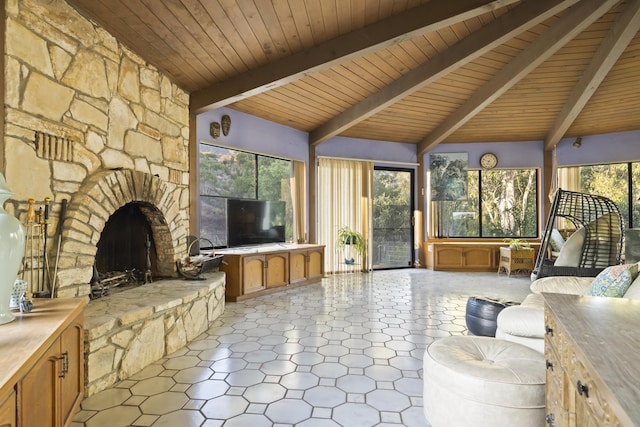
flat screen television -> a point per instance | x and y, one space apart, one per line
254 222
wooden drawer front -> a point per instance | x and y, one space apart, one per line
556 382
591 407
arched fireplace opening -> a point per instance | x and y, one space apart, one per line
126 252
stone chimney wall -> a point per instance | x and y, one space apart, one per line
83 111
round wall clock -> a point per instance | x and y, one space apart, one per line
488 161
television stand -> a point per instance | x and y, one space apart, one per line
259 270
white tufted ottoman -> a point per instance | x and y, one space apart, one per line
483 381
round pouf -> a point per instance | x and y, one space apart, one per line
482 313
482 381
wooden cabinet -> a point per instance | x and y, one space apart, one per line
461 256
259 270
44 375
56 381
8 410
591 347
306 264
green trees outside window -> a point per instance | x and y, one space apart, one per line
225 173
500 203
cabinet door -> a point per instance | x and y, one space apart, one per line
297 266
480 257
8 411
315 265
72 383
277 269
253 274
38 390
448 257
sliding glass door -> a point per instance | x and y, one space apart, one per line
392 218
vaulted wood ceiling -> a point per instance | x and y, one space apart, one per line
412 71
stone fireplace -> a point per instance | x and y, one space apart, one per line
107 196
89 122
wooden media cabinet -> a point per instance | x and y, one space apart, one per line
259 270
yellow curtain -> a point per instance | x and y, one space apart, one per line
299 201
344 199
569 178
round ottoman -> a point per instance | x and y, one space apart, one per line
482 313
482 381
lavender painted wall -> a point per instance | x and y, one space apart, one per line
254 134
599 149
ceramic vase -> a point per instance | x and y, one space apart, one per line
12 239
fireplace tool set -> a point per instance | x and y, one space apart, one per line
37 268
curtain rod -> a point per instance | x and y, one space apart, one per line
391 162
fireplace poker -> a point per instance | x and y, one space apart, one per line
63 210
39 225
45 227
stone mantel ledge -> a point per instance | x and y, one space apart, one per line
127 331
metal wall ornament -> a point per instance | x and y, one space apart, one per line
214 129
226 124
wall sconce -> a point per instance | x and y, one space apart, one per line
578 142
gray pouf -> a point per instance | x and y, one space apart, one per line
482 314
482 381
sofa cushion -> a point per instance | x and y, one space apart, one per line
613 281
561 285
571 251
634 290
524 320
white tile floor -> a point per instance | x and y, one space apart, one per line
343 352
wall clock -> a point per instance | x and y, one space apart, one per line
488 161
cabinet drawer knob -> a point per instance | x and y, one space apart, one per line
549 365
548 330
582 389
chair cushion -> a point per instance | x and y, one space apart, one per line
613 281
571 251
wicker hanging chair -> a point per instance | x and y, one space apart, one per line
603 234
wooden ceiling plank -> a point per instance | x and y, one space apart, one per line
243 28
572 23
612 47
276 29
381 34
284 16
485 39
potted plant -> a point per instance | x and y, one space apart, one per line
517 244
355 240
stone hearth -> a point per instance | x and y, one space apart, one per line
129 330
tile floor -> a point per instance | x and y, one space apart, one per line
343 352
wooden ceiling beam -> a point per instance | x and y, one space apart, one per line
388 32
488 37
613 45
565 29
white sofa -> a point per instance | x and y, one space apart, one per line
524 323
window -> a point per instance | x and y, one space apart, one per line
619 182
499 203
226 173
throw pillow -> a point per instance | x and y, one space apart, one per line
571 251
556 241
613 281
